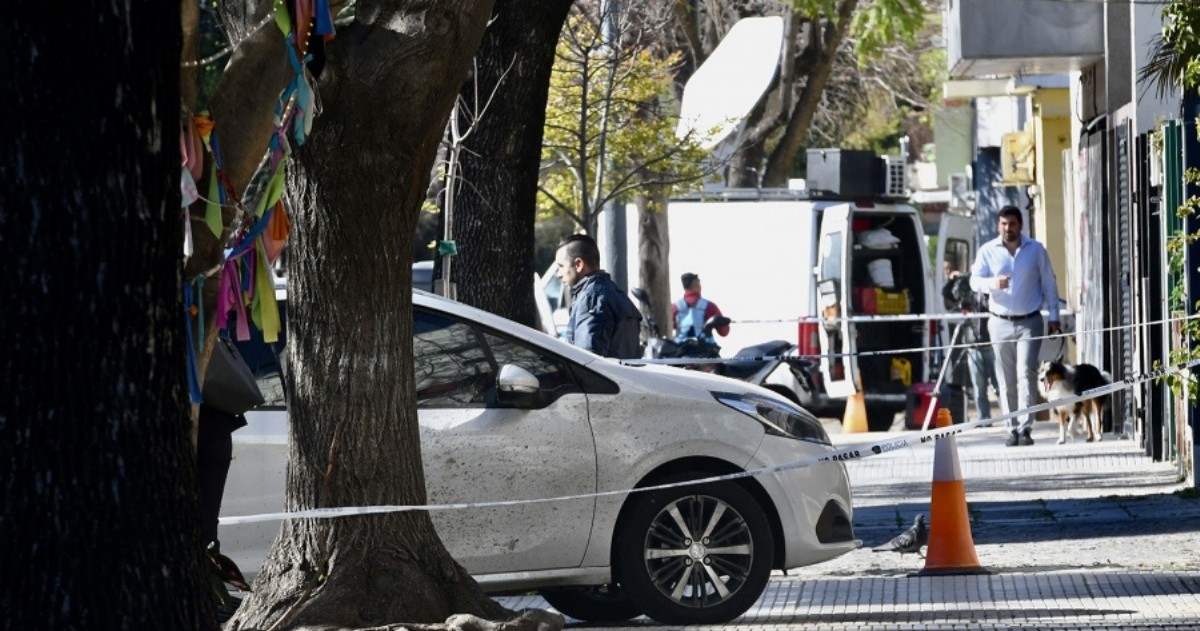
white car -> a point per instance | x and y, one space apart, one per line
509 413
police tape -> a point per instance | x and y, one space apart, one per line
850 452
738 359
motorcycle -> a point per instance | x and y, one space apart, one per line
773 365
753 367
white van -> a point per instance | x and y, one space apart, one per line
787 264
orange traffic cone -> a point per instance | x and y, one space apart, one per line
951 547
854 419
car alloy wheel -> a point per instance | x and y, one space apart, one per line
695 554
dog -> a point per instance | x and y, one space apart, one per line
1059 380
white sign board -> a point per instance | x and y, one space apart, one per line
728 85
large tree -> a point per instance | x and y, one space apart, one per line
494 204
354 192
99 517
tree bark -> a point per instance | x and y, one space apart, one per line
355 191
99 516
654 250
746 165
495 204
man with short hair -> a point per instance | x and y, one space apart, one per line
693 310
1015 272
603 319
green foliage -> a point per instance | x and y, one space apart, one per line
882 22
1175 55
610 116
1175 63
1177 244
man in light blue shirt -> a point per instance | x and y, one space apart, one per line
1015 272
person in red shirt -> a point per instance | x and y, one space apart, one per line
692 311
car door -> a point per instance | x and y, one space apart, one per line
839 367
478 447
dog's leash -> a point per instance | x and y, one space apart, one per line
1062 350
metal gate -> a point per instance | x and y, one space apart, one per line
1119 275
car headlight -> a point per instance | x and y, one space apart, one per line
777 418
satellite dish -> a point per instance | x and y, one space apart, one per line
725 88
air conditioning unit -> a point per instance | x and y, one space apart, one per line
1017 158
962 196
895 182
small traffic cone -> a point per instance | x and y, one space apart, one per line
854 420
951 546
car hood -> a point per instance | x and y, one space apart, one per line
679 380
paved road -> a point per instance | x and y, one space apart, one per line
1078 536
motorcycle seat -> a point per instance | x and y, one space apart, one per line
774 347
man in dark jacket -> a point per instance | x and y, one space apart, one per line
603 319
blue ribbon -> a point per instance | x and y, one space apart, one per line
324 18
193 373
252 234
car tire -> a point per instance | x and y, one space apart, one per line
593 603
694 554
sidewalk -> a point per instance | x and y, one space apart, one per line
1078 536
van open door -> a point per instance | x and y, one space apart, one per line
839 366
955 253
956 247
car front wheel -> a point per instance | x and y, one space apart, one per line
698 554
596 603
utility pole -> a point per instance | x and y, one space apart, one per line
611 220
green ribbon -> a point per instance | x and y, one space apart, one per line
212 212
264 311
447 248
272 193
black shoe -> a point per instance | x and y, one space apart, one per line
1012 440
1025 439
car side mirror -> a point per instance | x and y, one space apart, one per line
517 385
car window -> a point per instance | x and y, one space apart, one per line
455 363
271 386
450 363
552 374
831 264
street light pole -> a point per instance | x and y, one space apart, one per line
611 224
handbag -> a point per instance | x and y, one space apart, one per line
229 386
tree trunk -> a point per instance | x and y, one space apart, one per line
495 201
99 516
653 254
783 158
355 192
747 163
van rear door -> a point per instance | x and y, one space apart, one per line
956 246
955 252
839 366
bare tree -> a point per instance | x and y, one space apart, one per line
775 132
495 199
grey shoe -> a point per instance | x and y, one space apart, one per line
1012 439
1025 439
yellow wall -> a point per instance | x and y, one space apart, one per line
1052 134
